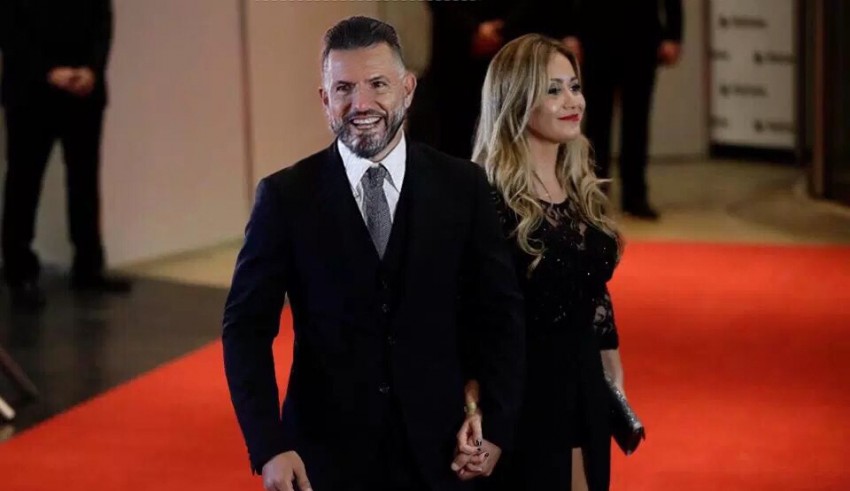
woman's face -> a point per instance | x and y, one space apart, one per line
557 116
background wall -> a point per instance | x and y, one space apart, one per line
285 43
679 120
179 166
754 70
678 126
173 149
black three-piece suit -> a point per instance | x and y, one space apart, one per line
383 347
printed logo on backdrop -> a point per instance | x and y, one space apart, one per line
773 58
752 55
762 126
720 55
718 122
742 90
742 22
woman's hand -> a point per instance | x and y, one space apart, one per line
471 436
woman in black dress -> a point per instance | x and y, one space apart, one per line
529 140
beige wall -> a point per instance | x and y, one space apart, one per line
412 20
285 42
679 119
175 172
173 149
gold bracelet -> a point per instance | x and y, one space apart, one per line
470 408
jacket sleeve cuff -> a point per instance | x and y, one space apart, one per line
497 431
268 449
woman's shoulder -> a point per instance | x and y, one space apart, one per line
497 199
506 214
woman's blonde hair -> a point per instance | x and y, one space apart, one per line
517 80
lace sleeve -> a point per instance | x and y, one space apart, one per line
507 217
603 322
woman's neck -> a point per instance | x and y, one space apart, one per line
544 157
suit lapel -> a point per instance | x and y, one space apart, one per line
416 200
411 218
336 202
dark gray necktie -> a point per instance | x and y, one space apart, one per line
376 208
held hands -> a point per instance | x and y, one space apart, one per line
482 463
474 456
281 470
77 81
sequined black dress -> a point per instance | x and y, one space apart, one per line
569 320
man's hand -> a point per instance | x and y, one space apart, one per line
77 81
669 52
82 83
61 77
488 39
281 470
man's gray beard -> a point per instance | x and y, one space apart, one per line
369 146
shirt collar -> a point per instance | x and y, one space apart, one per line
356 166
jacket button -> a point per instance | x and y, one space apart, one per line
385 308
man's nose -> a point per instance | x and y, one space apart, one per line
362 100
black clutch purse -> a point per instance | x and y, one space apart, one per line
626 427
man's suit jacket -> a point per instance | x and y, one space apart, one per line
442 306
38 35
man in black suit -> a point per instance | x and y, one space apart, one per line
401 288
622 42
54 87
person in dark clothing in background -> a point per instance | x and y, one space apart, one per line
465 37
54 87
622 42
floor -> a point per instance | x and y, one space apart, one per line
81 347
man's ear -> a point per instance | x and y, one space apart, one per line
323 95
409 83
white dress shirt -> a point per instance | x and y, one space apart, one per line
356 167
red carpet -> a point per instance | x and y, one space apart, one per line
736 357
